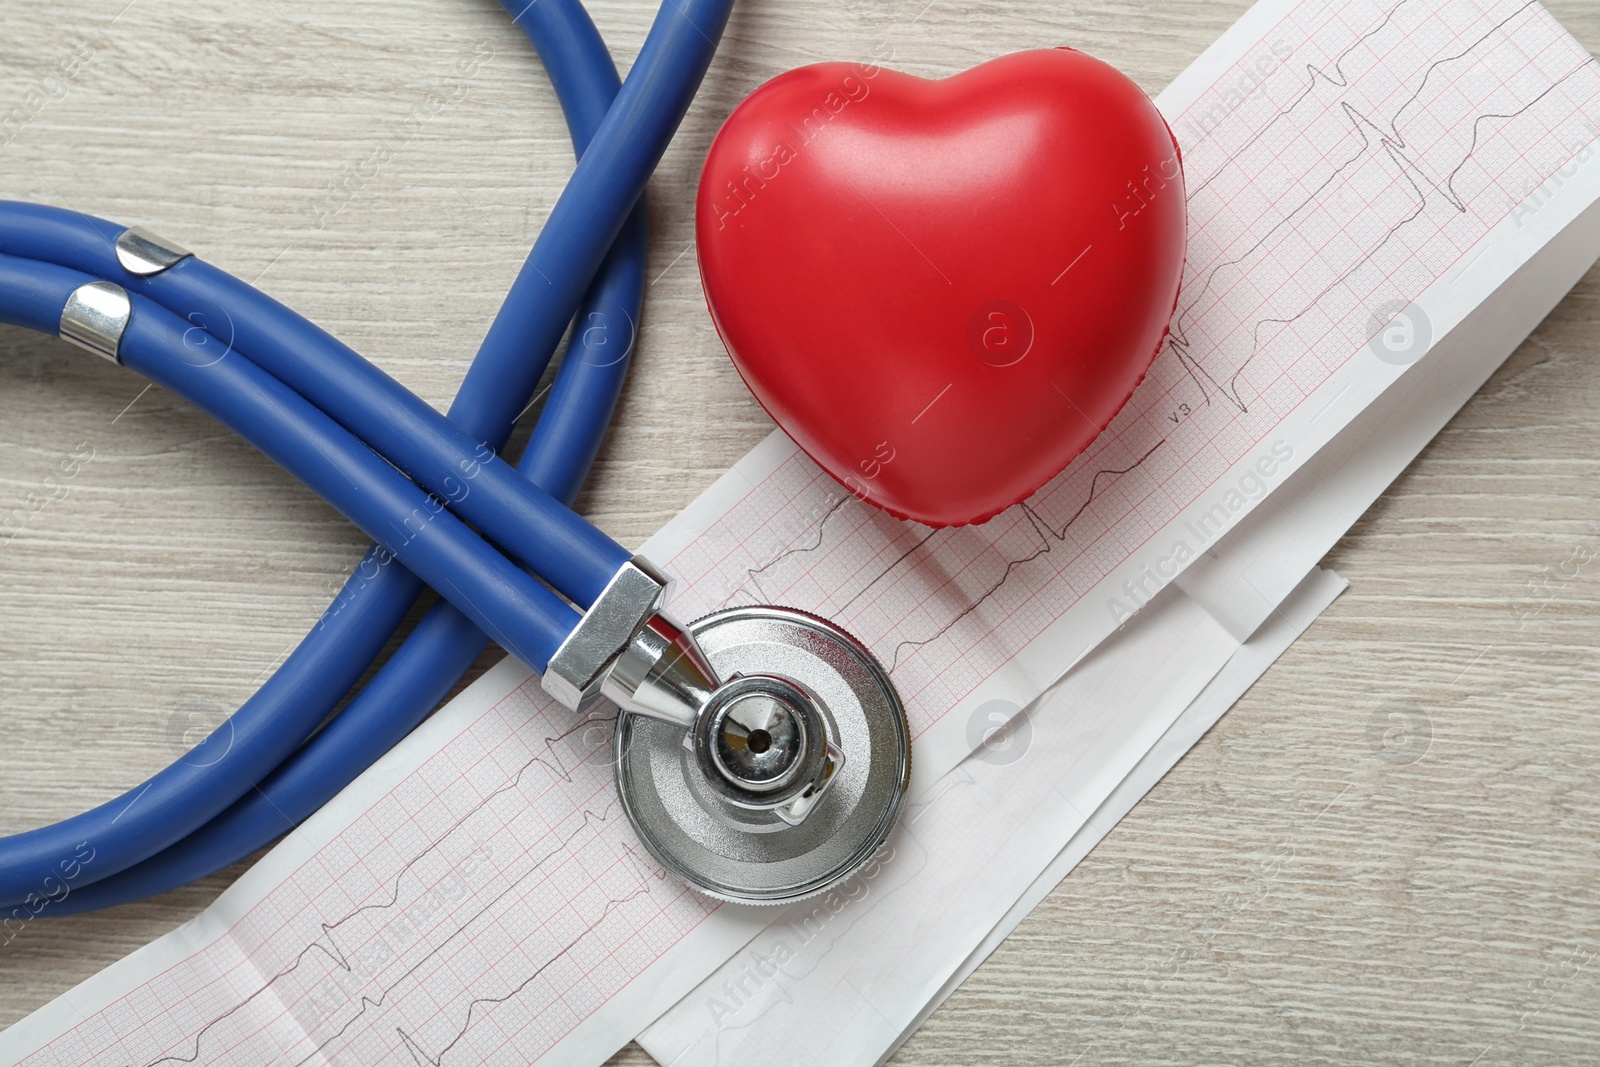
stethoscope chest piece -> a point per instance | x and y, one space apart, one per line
794 773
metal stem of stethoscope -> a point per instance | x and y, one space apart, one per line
762 742
762 753
778 753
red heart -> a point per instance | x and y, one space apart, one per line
943 290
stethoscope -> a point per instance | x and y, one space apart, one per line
762 754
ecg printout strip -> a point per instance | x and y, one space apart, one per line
478 896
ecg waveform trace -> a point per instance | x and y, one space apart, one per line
492 900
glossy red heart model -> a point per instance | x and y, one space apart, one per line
943 290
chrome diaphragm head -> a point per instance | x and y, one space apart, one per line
811 807
762 753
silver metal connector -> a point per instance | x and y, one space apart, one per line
626 650
662 674
143 253
96 317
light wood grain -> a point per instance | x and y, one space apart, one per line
1445 910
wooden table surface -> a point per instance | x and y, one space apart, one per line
1436 904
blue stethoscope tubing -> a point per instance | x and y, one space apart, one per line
427 538
216 312
216 806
